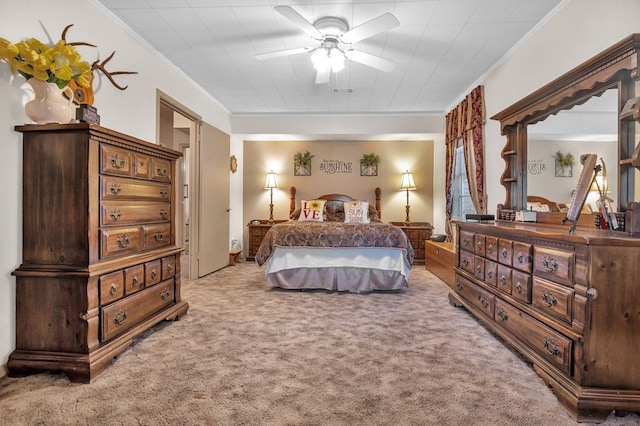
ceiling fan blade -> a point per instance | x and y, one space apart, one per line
382 23
285 52
323 76
370 60
298 20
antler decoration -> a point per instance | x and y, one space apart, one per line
100 66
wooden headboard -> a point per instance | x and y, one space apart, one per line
333 198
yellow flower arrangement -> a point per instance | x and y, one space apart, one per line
57 64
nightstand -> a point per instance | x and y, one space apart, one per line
417 232
257 231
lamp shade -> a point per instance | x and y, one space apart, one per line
407 182
272 180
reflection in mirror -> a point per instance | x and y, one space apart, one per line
588 128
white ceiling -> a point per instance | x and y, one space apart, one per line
441 48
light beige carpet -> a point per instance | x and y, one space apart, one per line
245 355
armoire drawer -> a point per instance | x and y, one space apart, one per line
119 241
129 213
157 235
115 188
115 161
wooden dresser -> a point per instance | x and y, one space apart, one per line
99 259
570 303
417 233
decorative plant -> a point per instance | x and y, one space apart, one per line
370 159
301 159
564 160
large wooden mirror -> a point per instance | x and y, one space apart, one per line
581 112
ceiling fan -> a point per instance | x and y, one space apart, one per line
335 41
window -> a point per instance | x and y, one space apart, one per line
462 204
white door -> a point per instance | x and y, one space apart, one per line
213 214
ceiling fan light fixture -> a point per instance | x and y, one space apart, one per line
336 58
320 59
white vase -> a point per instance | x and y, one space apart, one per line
49 104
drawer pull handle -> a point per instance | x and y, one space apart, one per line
120 317
479 245
505 253
465 262
503 280
549 298
490 248
157 235
519 287
483 301
165 294
592 293
520 258
115 189
550 263
84 316
169 268
118 161
479 269
502 314
116 215
163 213
113 289
552 347
163 193
162 172
134 281
154 274
123 241
465 242
490 274
459 286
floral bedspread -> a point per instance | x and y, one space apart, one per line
333 234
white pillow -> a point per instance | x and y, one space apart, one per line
356 212
312 211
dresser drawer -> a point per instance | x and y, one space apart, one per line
503 278
114 188
491 248
467 241
123 213
152 272
141 164
111 287
118 241
133 279
479 246
168 267
115 161
552 264
478 267
156 235
128 312
522 256
505 251
466 261
552 345
490 272
521 286
477 296
161 169
553 299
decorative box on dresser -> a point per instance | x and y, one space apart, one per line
99 259
569 303
417 233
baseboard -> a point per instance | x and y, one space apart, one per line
3 370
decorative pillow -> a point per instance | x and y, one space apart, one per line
335 212
373 214
312 210
356 212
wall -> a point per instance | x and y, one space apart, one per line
395 157
132 111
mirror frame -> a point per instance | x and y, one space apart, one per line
616 67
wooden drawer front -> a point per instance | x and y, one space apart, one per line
491 248
505 251
467 240
553 346
126 313
133 279
157 235
111 287
466 261
521 286
477 296
555 265
118 213
478 267
152 272
168 267
115 161
503 279
480 244
490 272
117 241
140 165
553 299
113 188
161 169
522 256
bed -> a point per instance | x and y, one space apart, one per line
336 253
